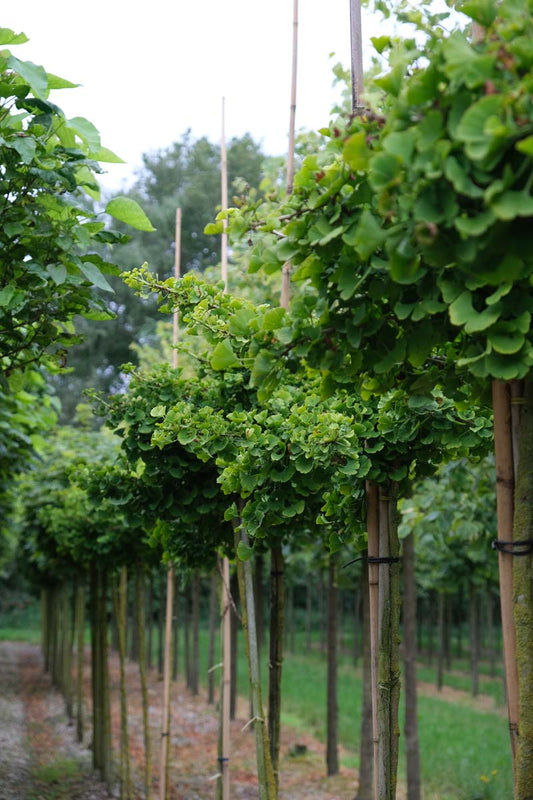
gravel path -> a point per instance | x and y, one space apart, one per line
39 757
14 756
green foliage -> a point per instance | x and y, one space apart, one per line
49 237
453 515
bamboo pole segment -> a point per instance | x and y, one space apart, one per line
286 272
177 272
356 38
167 665
503 451
372 512
226 681
226 618
165 729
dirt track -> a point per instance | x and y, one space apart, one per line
40 760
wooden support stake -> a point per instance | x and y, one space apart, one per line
356 37
372 512
286 272
224 192
165 728
504 462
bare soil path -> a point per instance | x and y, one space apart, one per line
40 759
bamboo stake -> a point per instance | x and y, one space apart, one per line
165 729
356 37
372 512
226 681
503 451
286 272
224 755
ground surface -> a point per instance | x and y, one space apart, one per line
40 760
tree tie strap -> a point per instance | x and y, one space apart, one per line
222 759
522 547
374 560
276 573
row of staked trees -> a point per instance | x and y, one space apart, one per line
408 235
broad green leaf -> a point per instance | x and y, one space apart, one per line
55 82
273 319
474 226
25 147
471 127
504 342
513 204
58 273
158 411
263 364
7 36
356 152
392 81
223 356
87 131
107 156
401 143
381 43
244 551
213 228
482 11
385 169
239 324
94 275
34 75
463 314
186 436
525 145
369 235
127 210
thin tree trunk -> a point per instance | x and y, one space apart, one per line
164 787
357 596
412 750
308 616
80 642
431 627
107 751
332 747
265 773
523 599
234 628
389 666
448 624
505 480
67 651
277 623
187 633
372 502
491 644
120 603
366 748
259 603
150 654
140 592
195 671
160 624
211 644
440 653
223 782
474 640
175 628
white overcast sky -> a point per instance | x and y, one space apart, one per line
150 70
